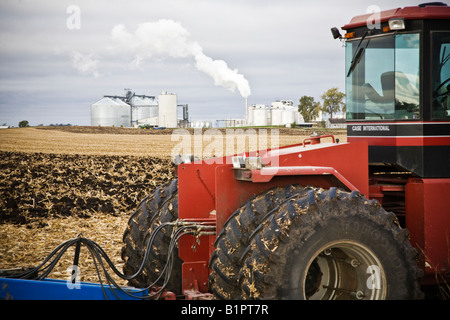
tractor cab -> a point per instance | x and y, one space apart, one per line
397 75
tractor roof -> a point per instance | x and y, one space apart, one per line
425 11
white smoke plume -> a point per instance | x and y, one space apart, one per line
169 38
85 64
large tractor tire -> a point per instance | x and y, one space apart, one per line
330 244
157 208
225 262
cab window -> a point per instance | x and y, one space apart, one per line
383 77
441 75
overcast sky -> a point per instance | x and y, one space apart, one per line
59 57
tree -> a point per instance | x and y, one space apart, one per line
333 101
23 124
308 108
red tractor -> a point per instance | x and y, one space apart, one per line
364 219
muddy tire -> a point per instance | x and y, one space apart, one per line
158 207
232 241
330 244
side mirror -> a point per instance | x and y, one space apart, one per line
336 33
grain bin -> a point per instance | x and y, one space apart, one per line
143 108
167 110
110 111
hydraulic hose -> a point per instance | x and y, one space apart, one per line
180 229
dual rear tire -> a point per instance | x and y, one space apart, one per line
323 244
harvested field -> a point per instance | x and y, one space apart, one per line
32 140
124 141
56 183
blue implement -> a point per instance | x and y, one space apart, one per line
52 289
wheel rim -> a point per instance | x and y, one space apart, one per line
344 270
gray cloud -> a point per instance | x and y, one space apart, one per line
50 73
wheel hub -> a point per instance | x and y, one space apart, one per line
345 270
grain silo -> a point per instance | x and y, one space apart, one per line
144 110
167 110
110 111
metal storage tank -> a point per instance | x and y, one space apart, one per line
110 111
260 115
276 113
250 112
167 110
299 118
288 116
140 109
154 108
143 107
